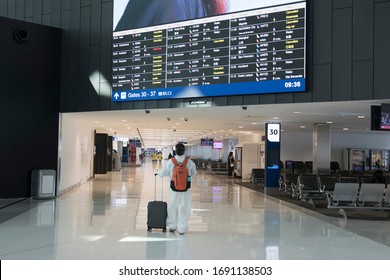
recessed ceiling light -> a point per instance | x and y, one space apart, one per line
240 127
302 126
297 112
329 122
345 128
361 117
275 118
254 123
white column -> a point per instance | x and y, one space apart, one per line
321 148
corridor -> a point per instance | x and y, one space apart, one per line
105 219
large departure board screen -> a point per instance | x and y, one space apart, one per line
247 47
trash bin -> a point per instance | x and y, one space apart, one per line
43 183
116 162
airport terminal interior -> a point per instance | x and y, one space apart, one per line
105 218
288 86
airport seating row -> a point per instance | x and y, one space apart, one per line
212 166
217 167
294 183
341 192
358 196
257 176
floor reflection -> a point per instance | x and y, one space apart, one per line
105 218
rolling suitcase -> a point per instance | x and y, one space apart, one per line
157 211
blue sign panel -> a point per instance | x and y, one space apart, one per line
211 90
272 155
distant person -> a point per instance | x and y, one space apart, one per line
378 177
154 157
179 207
141 13
230 162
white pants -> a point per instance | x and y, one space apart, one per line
179 210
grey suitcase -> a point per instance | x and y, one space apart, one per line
157 210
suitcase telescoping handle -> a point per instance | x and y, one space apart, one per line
155 187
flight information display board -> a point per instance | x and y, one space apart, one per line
252 52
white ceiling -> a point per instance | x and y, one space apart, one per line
165 127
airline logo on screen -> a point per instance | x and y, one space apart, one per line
273 132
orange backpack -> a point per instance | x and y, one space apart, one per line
180 178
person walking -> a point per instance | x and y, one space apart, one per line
230 161
179 208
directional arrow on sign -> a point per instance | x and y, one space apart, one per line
116 96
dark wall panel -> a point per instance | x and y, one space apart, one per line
220 101
268 99
151 104
127 105
96 20
322 83
19 10
340 33
4 8
66 99
251 99
381 50
46 19
37 11
285 98
234 100
30 97
28 9
342 55
85 3
363 30
65 5
95 96
363 85
106 48
322 31
164 104
307 96
85 35
106 39
55 13
11 8
46 7
338 4
139 105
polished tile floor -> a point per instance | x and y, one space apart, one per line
105 218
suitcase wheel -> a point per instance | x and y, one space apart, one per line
164 229
149 229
